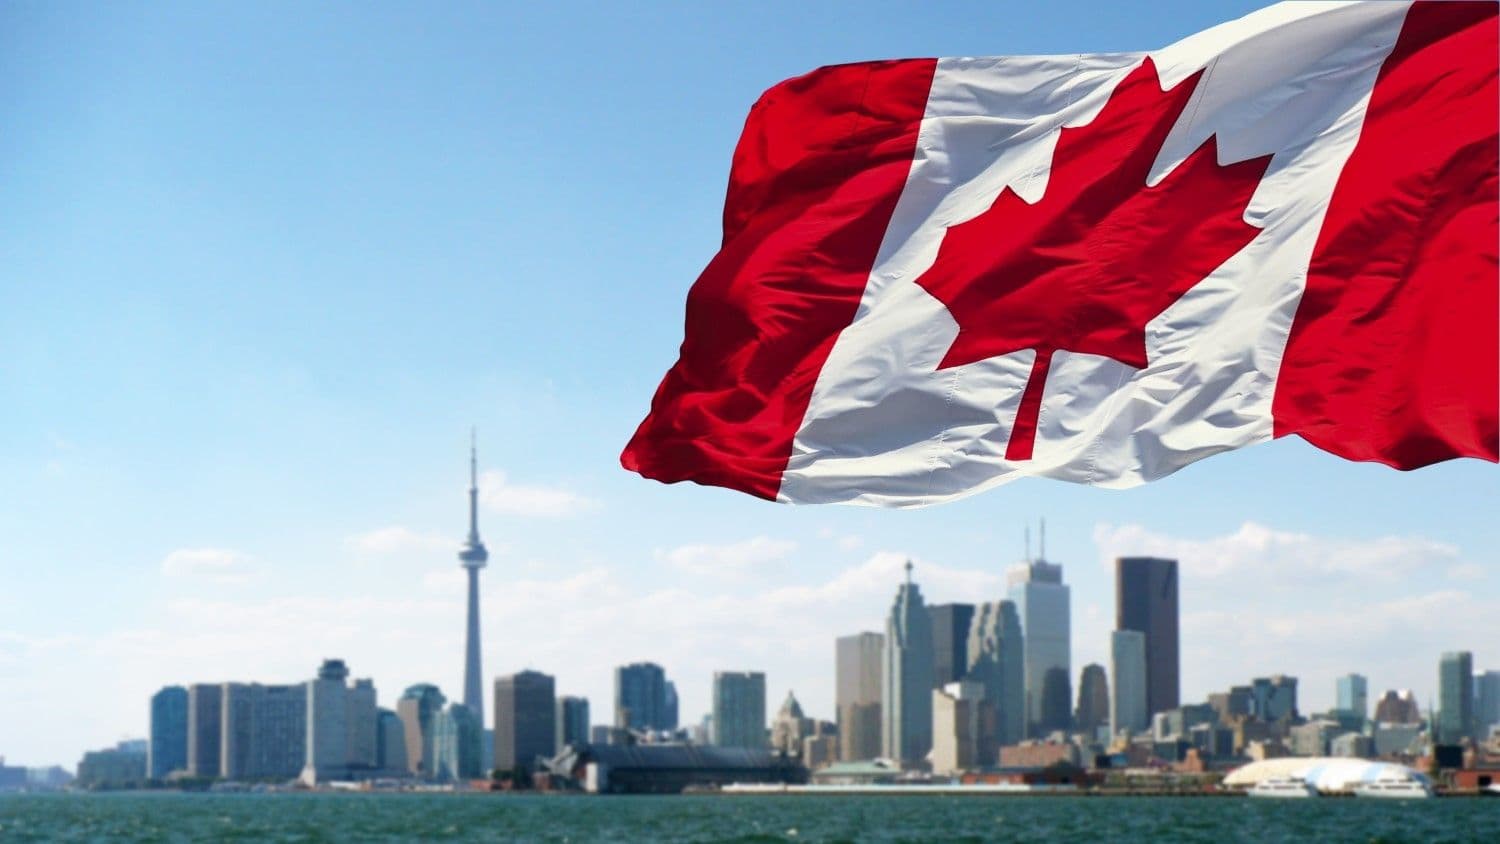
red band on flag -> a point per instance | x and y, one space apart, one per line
1393 353
816 176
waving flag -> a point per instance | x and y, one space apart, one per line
941 275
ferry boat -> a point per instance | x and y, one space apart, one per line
1394 788
1283 787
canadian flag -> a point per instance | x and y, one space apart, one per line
941 275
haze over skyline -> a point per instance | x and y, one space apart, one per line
266 264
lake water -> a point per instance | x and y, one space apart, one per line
168 817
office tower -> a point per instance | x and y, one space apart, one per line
906 684
473 556
1398 708
956 728
641 697
1455 719
1041 599
390 744
572 721
669 706
456 736
525 719
341 726
791 727
1486 702
1127 668
739 709
1146 600
168 750
205 729
417 708
950 641
857 668
265 731
997 660
1274 698
1353 695
1093 700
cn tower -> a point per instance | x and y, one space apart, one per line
473 557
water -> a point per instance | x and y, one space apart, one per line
170 817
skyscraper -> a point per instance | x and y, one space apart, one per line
473 557
1455 720
1093 700
1042 600
525 719
342 726
1146 600
1274 698
1353 695
906 685
572 721
950 642
1486 702
641 697
1127 668
418 707
456 737
265 731
205 726
997 661
739 709
390 744
167 751
857 668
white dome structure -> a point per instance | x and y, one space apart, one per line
1329 775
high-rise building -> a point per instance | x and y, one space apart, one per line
265 731
997 661
473 557
1093 700
791 727
1398 707
1127 670
205 729
641 697
572 721
342 726
525 719
418 709
669 706
456 737
956 728
950 642
168 747
906 686
1486 702
1274 698
857 667
390 745
1353 695
1042 600
1146 600
739 709
1455 719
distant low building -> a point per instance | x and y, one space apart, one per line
1355 745
670 768
820 751
1312 738
122 766
1396 739
1037 755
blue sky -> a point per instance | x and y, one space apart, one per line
262 266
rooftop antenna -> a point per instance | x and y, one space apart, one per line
1041 553
908 572
1027 558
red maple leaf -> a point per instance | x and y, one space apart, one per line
1101 254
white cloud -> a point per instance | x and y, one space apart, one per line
499 495
727 559
218 564
398 539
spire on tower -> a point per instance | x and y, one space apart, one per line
1041 553
473 554
908 572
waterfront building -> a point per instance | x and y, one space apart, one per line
1274 698
1396 739
906 685
857 690
205 728
1455 720
1042 601
473 557
950 642
1353 695
342 726
1127 670
1356 745
790 727
641 697
739 709
997 660
390 745
956 728
265 731
671 768
418 708
456 738
1398 707
1093 700
525 719
168 749
1146 601
118 767
1486 702
572 721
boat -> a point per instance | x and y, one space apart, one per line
1283 787
1406 789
